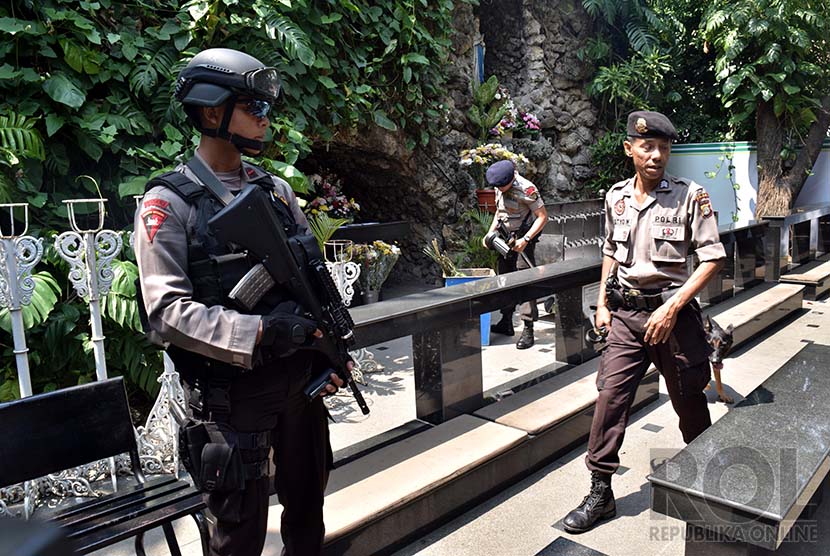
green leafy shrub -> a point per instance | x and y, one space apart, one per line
86 89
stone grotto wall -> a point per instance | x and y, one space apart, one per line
531 47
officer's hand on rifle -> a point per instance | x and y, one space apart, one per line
284 330
338 382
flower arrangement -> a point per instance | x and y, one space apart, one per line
376 261
528 122
330 199
514 119
484 155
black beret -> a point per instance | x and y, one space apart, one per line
650 124
500 173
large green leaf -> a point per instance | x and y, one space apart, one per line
295 178
44 298
383 120
62 89
292 38
119 305
19 136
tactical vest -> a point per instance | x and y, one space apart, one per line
213 268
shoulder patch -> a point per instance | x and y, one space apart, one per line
152 217
704 203
531 192
619 207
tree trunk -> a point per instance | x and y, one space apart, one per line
774 196
777 190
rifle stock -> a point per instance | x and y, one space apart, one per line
297 265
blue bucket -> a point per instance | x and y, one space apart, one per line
485 318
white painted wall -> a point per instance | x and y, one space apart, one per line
695 160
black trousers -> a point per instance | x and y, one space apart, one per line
684 363
527 310
272 399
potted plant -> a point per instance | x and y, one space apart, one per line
376 261
478 159
454 275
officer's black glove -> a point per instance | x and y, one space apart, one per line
284 330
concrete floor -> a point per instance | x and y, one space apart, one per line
524 519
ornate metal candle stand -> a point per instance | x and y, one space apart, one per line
90 253
345 273
19 253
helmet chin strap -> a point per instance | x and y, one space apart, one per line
242 144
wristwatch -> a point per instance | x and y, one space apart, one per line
527 238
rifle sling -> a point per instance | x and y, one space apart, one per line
210 181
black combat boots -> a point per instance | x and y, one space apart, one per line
504 326
599 504
526 339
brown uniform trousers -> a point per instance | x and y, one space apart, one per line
683 362
273 399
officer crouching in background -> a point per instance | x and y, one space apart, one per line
521 216
244 374
646 301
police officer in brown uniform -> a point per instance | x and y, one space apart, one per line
521 209
653 221
243 369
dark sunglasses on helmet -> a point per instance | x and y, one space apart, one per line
256 108
263 82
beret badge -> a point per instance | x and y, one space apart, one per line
641 125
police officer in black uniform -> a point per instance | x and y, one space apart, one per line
244 370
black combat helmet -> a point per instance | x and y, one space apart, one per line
220 76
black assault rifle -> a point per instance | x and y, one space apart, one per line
297 265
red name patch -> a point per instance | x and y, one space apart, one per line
619 207
153 218
160 203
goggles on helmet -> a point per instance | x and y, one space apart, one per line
256 108
263 82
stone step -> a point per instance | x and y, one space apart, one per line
815 276
754 310
393 493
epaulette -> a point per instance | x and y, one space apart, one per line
179 184
251 171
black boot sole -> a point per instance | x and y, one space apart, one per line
603 517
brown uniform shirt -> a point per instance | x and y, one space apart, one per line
651 241
163 222
514 206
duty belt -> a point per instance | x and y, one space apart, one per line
642 300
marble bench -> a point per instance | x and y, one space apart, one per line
815 276
393 493
752 311
742 484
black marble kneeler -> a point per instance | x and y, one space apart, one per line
742 484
